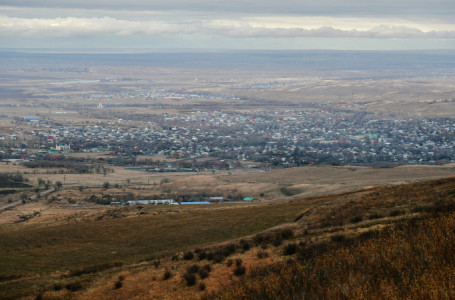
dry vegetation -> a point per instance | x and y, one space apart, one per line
389 242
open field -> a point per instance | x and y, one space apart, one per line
311 180
266 186
56 88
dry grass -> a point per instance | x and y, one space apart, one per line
414 259
91 248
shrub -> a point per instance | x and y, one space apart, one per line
229 249
277 241
396 212
188 256
118 284
192 269
95 269
240 271
356 219
245 244
202 255
262 254
290 249
287 233
218 258
190 279
202 286
167 275
203 274
229 262
238 262
207 268
106 185
374 216
339 238
75 286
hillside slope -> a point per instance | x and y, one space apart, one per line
393 242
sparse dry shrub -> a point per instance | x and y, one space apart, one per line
262 254
118 284
238 262
239 271
245 244
192 269
374 216
229 262
356 219
290 249
202 286
277 240
217 258
396 212
230 248
74 286
286 233
202 255
339 238
188 255
207 268
167 275
275 237
95 269
203 274
190 279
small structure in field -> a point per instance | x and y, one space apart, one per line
248 199
155 202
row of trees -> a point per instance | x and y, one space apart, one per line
10 180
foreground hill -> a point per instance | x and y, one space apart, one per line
382 242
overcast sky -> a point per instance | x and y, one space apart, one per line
234 24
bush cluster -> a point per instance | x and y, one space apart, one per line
412 259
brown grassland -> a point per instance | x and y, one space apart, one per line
379 242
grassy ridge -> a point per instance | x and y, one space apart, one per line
69 246
414 259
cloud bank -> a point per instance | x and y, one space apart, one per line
80 27
73 21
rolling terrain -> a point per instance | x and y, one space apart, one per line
145 251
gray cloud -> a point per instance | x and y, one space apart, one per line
436 8
80 27
182 20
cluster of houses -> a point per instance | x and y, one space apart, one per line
283 138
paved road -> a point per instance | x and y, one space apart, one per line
10 204
43 193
